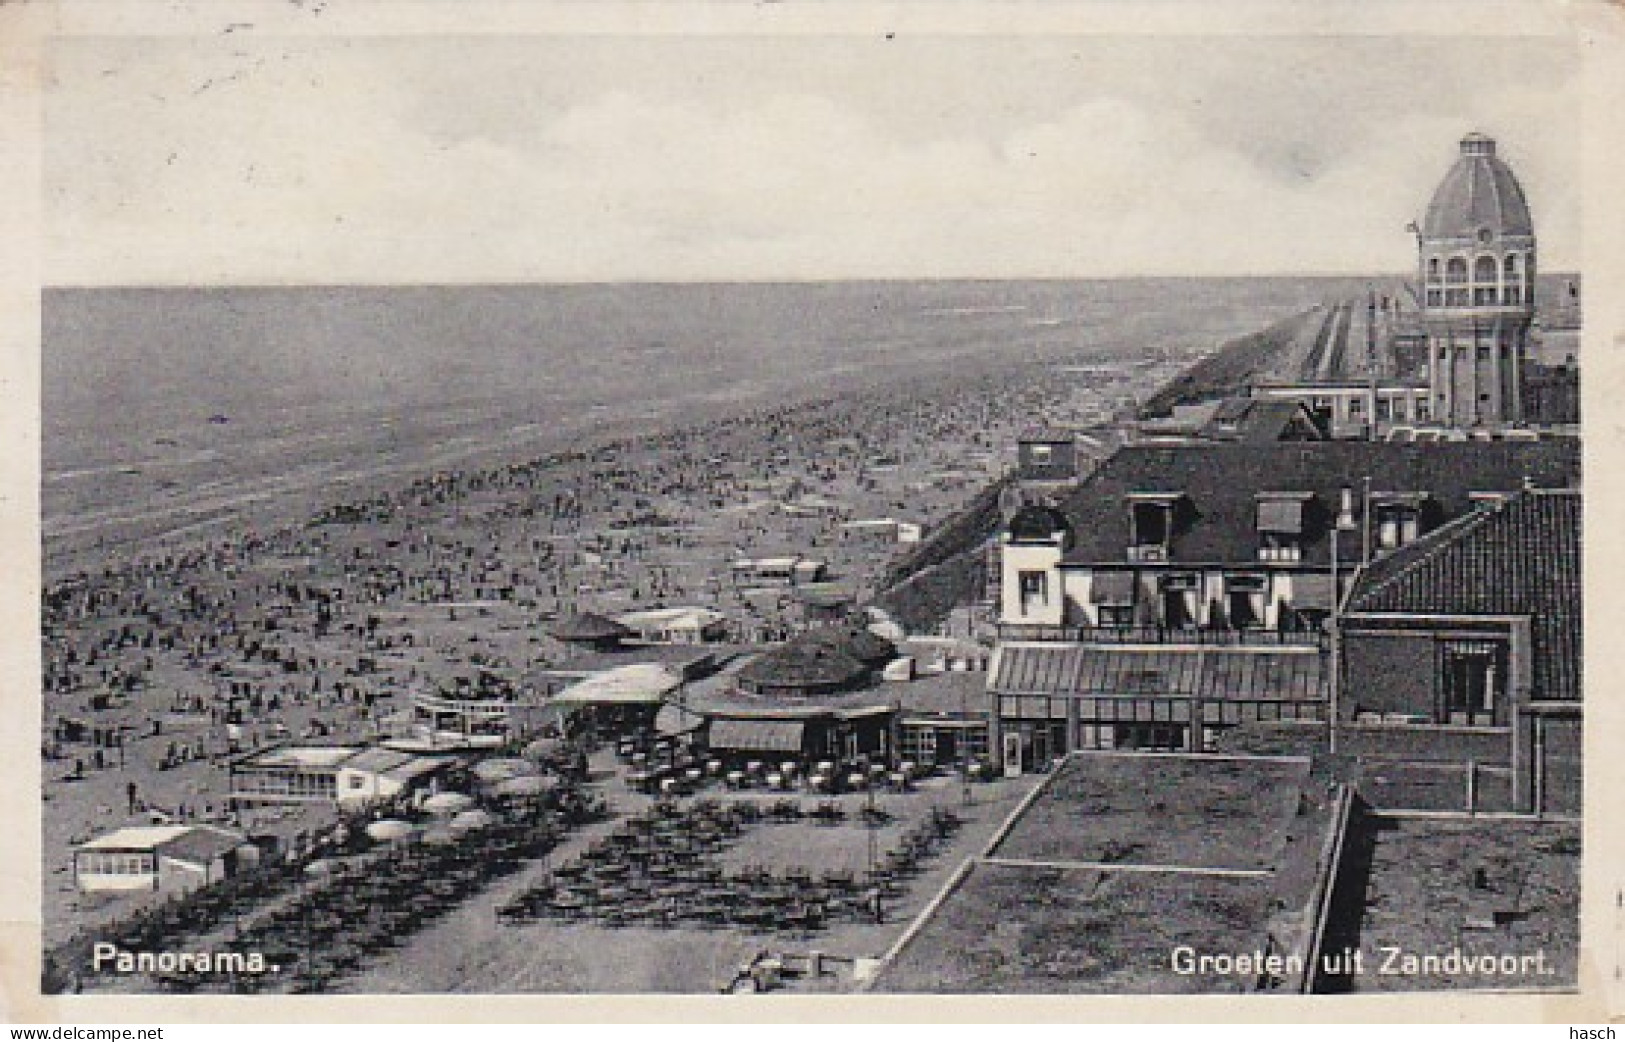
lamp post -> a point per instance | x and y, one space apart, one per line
1336 679
963 738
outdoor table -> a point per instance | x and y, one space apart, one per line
826 767
787 767
753 767
713 767
775 780
855 781
736 779
694 774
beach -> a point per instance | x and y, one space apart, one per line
230 572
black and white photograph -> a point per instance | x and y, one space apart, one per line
815 508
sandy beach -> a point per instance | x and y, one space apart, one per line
185 623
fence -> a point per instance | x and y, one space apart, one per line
1161 635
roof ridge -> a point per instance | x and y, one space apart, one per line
1499 203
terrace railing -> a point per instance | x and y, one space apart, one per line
1165 635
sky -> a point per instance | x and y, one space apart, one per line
236 159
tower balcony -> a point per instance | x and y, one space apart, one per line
1482 315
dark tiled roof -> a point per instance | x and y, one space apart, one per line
943 694
1521 557
202 844
1036 522
589 626
1480 191
1217 519
1258 421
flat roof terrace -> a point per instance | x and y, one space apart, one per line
1116 866
1502 889
1028 929
1212 812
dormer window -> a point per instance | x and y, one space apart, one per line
1042 455
1151 525
1281 525
1397 517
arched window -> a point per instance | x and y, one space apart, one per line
1455 276
1433 269
1512 289
1485 271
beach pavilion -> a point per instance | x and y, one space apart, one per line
813 698
160 857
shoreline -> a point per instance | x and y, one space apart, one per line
683 419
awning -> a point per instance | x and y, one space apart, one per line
675 720
639 684
1111 588
1280 516
1312 591
779 736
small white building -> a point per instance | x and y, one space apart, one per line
883 530
339 774
680 625
788 570
160 857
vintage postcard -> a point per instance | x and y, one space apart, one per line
588 506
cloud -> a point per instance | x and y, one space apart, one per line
279 166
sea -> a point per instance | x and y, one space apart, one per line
166 409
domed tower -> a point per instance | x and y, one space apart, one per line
1477 246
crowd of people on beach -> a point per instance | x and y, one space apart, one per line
166 662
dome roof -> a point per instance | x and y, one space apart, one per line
1037 522
1480 192
803 665
868 648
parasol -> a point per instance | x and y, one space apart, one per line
390 830
448 803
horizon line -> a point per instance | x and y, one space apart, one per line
725 281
